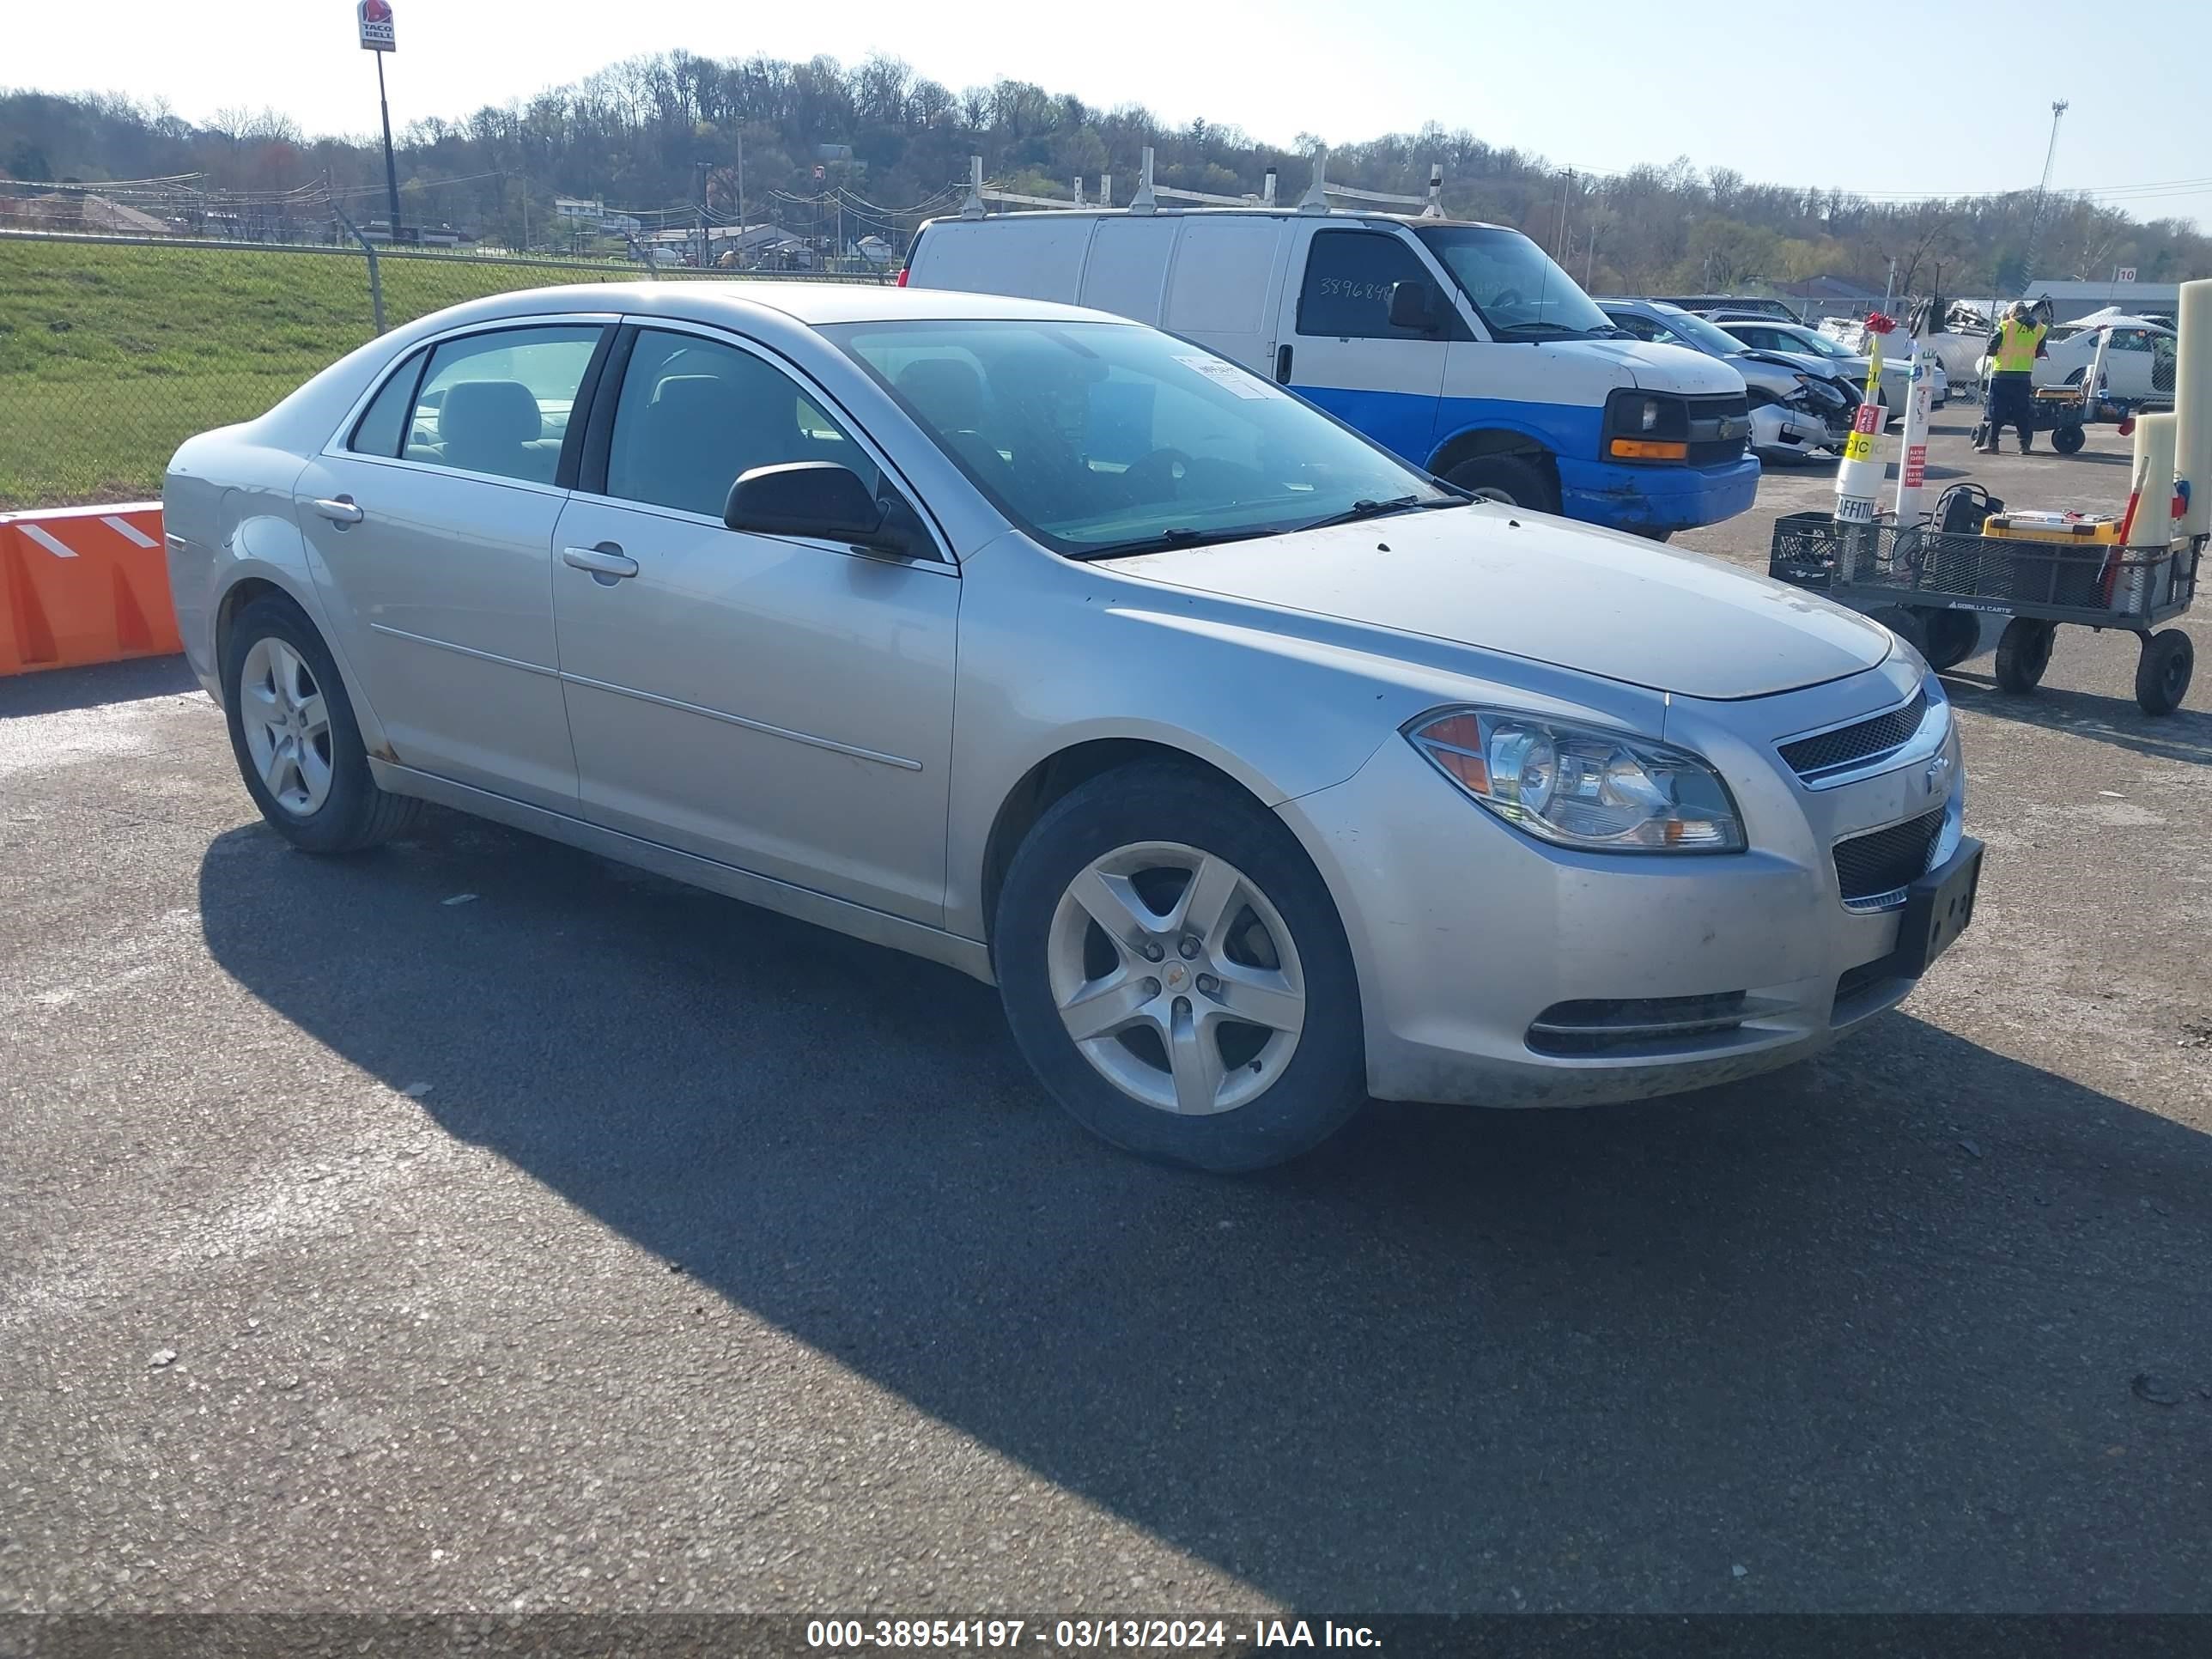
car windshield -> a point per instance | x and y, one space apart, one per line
1706 336
1516 289
1106 438
1820 344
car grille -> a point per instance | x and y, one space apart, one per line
1605 1025
1852 745
1707 419
1885 861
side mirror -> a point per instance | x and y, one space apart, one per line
819 499
1412 305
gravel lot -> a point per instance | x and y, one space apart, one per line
477 1224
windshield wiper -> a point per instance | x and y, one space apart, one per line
1557 331
1178 537
1371 509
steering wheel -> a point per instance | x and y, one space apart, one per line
1156 476
1506 298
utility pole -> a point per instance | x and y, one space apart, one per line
1559 234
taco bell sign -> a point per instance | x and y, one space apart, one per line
376 17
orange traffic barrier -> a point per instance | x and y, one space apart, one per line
84 585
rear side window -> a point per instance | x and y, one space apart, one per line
1349 277
383 424
499 402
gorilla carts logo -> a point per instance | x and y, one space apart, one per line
376 33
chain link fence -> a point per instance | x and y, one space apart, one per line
113 349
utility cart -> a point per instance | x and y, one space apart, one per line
1934 586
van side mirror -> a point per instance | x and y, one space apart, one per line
820 499
1412 305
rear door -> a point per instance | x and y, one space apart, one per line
778 704
431 520
1126 272
1336 342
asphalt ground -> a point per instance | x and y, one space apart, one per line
478 1225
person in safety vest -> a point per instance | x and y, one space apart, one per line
2014 345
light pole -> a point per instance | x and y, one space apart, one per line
2035 220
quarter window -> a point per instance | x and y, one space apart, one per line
383 424
695 413
1349 277
499 402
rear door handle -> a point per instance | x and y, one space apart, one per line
340 509
607 560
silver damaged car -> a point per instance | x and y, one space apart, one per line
1261 773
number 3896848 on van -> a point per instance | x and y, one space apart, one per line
1462 348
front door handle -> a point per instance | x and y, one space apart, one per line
1282 365
606 560
340 509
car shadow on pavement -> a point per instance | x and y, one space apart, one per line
2183 735
1866 1334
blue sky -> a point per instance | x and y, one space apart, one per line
1597 84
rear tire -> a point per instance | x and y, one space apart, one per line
2163 671
1120 1026
2069 439
2023 652
1511 480
292 731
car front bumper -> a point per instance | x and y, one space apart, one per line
1483 953
1650 499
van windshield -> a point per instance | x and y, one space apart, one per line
1516 289
1100 438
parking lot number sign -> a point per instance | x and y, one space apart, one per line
2125 274
376 17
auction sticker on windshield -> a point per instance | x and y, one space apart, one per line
1241 381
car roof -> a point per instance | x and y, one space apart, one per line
734 300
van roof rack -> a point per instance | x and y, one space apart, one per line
1148 197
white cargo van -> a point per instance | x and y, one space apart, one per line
1460 347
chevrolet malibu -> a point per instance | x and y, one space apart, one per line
1260 772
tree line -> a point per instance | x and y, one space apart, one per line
677 130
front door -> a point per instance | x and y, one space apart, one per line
432 526
782 705
1343 352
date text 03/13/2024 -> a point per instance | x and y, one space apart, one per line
1084 1635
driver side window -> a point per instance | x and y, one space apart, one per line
695 413
1349 277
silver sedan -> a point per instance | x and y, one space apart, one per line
1260 772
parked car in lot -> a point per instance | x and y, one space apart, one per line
1260 771
1460 348
1779 386
1815 350
2139 364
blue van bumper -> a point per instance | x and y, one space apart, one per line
1655 498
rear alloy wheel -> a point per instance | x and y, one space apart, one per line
1172 965
1509 480
293 731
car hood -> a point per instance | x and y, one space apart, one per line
1652 368
1525 585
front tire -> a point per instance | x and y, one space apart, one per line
2023 652
1509 480
1174 968
293 731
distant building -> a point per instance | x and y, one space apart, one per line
595 214
84 210
2071 300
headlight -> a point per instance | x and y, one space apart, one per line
1581 787
1642 427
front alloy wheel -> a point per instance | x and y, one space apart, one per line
1176 978
1175 969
